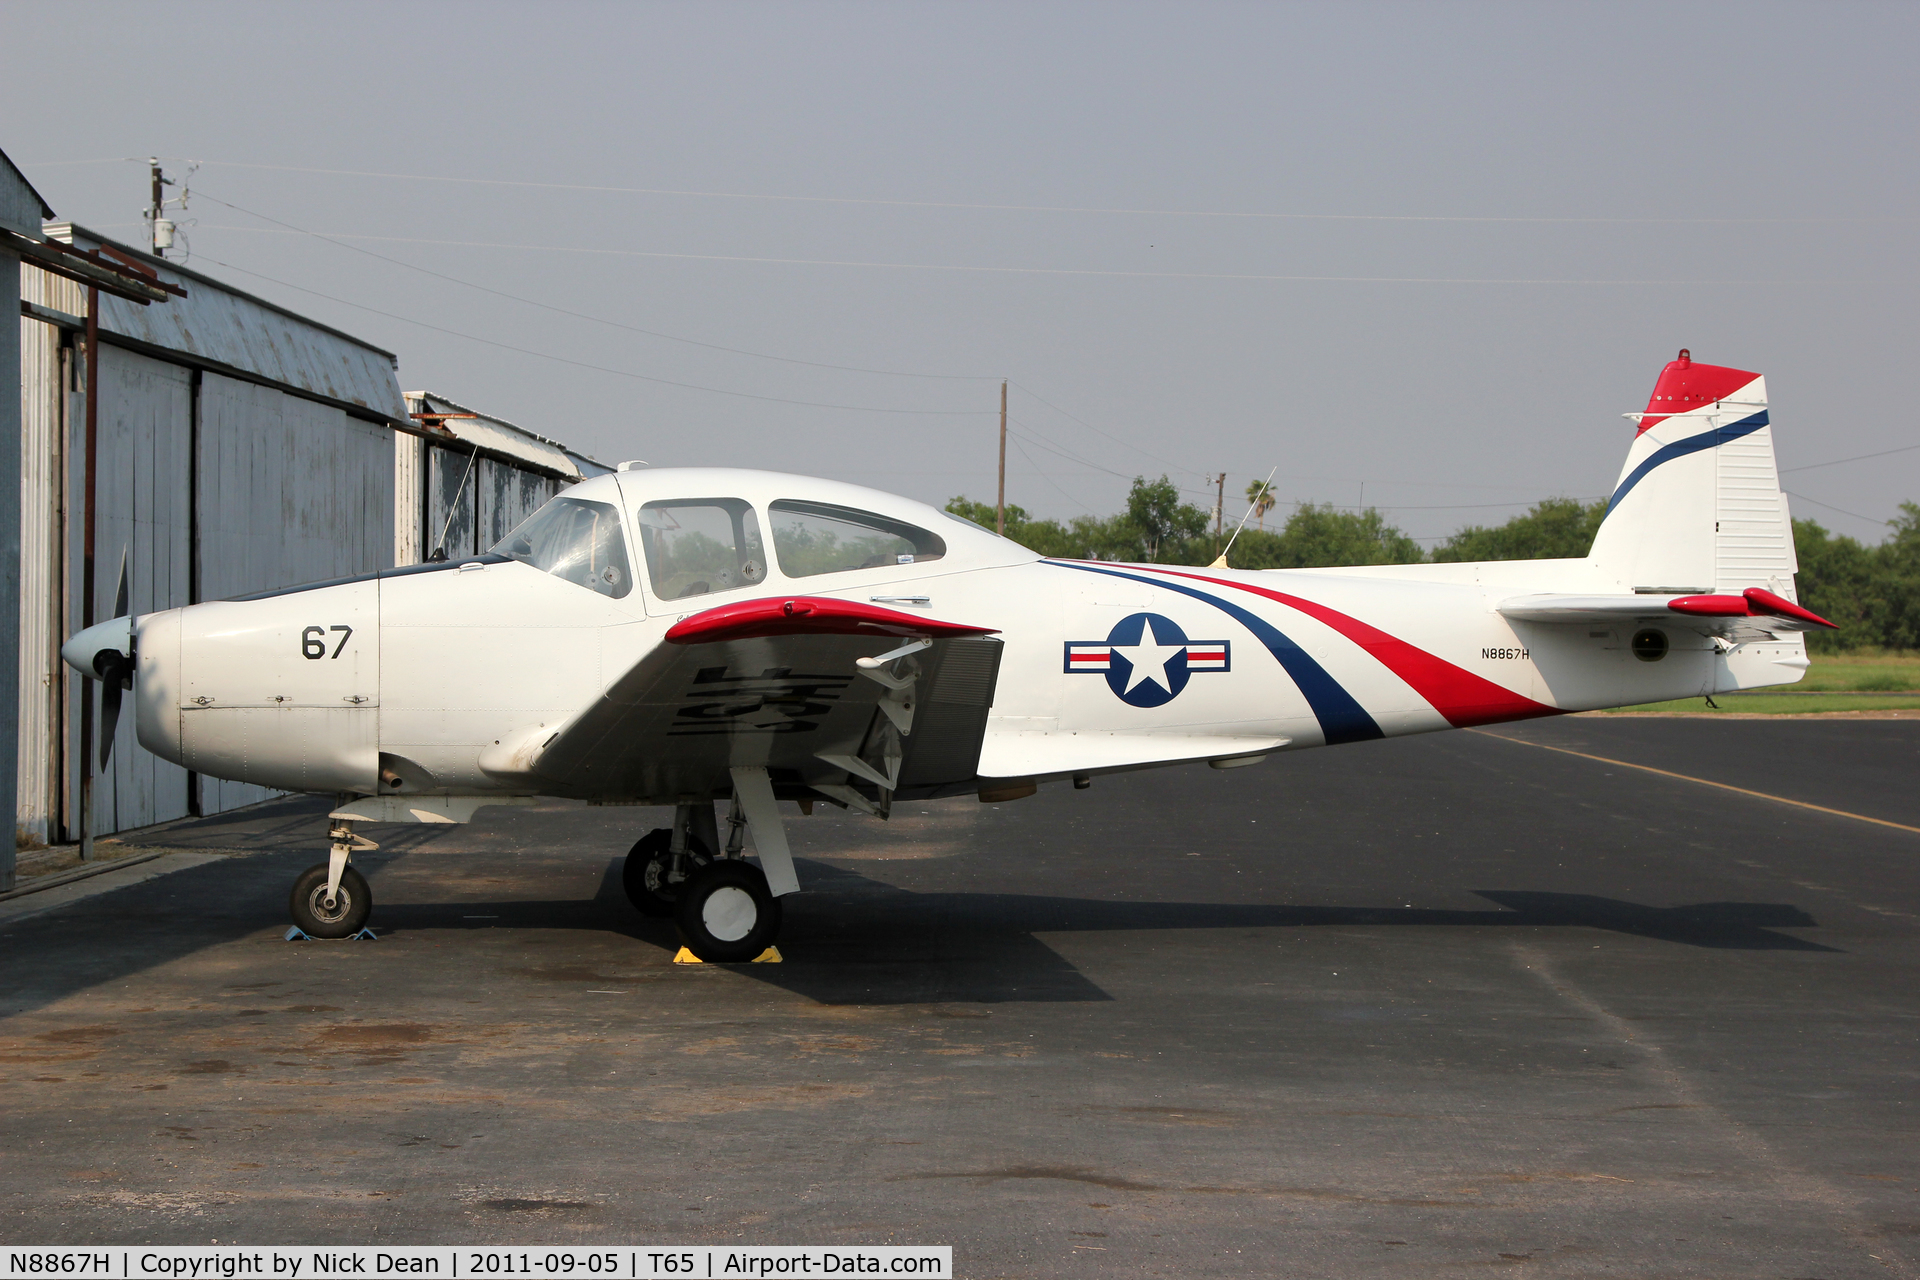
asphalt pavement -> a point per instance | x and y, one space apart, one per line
1411 1008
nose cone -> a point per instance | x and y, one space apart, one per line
115 634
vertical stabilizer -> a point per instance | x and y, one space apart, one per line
1698 506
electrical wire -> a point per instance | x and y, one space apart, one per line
1044 476
1072 271
578 315
1830 507
1813 466
600 368
1002 208
1025 390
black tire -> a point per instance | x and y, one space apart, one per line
645 874
351 907
726 913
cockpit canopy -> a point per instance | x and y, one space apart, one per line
697 546
576 540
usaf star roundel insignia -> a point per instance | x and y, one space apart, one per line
1146 658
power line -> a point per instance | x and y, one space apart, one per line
1813 466
1009 208
578 315
1096 430
1066 271
597 368
1830 507
1044 476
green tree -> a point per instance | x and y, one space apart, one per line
1836 581
1260 495
1897 581
1557 529
1325 537
1161 525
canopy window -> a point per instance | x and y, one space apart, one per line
576 540
812 538
701 545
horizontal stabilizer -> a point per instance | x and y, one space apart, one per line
1727 615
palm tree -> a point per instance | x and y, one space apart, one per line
1260 494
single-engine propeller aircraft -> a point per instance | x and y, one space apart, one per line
688 636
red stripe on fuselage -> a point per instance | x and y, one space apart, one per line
1463 698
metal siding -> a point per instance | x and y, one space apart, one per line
145 420
290 491
42 395
508 495
450 501
407 487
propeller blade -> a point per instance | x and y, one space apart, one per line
120 592
115 671
109 718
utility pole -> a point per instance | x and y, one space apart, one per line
1000 505
161 227
1219 507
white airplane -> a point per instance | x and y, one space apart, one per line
686 636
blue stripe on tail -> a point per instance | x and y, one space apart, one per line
1681 448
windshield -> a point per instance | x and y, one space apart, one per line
699 545
576 540
819 537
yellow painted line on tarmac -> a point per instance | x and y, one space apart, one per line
1705 782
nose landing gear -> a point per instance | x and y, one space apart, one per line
331 899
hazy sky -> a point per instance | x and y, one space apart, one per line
1430 249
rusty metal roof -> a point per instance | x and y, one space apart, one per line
497 435
222 326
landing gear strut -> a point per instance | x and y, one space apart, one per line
331 899
655 870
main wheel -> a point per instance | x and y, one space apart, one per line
348 914
648 865
726 913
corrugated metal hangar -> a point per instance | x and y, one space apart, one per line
239 447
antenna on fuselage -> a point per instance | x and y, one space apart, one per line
1266 487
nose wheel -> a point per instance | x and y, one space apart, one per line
339 914
331 899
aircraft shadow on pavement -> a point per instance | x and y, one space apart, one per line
850 940
854 940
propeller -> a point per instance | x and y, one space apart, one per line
115 670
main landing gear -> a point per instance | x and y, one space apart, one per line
728 909
331 899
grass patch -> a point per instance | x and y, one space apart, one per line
1779 705
1863 672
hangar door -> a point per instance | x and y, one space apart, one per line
473 501
290 491
142 496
